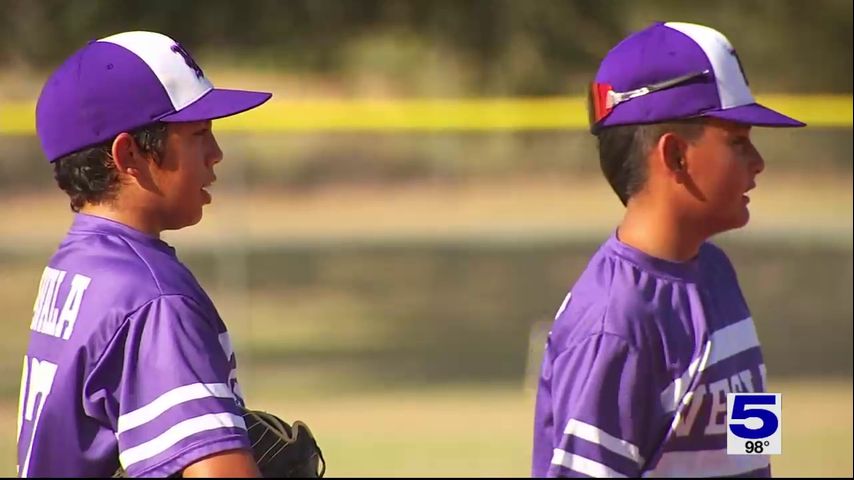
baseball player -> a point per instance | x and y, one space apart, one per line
656 331
129 365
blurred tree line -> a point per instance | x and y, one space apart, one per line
480 47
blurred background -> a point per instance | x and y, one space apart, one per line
392 234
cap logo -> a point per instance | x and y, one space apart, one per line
740 67
188 59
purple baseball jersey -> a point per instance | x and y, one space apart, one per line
128 362
637 367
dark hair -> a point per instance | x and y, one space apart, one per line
90 175
623 151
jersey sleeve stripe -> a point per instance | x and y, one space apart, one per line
583 465
177 433
595 435
168 400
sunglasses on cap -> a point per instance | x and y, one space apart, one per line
601 97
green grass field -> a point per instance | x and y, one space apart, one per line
485 431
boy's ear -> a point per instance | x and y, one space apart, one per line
672 152
127 156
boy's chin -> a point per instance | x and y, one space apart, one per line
194 220
185 221
744 218
721 224
736 221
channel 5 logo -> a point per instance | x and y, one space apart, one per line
754 424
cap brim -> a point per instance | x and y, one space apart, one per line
755 114
219 103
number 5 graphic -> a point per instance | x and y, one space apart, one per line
36 382
770 423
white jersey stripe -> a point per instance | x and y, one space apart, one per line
563 305
733 339
726 342
168 400
583 465
708 463
176 433
675 391
592 434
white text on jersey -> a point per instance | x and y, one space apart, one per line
47 316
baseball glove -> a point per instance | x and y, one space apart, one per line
280 450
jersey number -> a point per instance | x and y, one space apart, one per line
36 382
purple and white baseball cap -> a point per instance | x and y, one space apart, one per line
123 82
671 71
